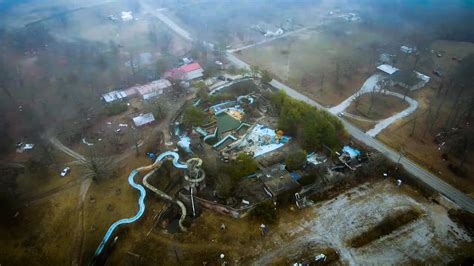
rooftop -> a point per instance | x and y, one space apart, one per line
279 185
408 77
143 119
180 72
387 69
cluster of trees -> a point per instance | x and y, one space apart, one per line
265 212
231 175
193 116
115 108
312 127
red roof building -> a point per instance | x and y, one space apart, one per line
185 72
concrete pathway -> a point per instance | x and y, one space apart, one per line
368 86
381 125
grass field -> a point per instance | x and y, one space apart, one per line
327 64
383 106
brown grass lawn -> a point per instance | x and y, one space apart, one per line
421 146
383 106
361 124
314 57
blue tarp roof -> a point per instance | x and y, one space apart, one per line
295 176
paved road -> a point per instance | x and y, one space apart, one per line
161 16
431 180
368 86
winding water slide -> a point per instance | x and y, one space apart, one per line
150 169
160 193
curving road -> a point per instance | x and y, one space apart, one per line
428 178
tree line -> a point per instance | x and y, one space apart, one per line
313 128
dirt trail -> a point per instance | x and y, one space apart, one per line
58 144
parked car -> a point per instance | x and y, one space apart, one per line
65 171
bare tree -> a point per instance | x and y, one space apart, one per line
413 126
135 136
115 140
96 166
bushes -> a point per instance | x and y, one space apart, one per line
463 218
115 108
243 166
193 116
227 183
265 212
389 224
307 180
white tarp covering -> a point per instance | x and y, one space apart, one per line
143 119
262 140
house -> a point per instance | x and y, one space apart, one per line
185 72
153 89
143 119
387 69
409 79
278 181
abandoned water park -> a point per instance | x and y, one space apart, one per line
313 132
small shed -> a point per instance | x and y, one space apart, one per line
143 119
113 96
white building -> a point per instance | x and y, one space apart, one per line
143 119
387 69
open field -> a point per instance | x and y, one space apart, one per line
229 23
360 122
429 238
328 64
94 25
383 106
